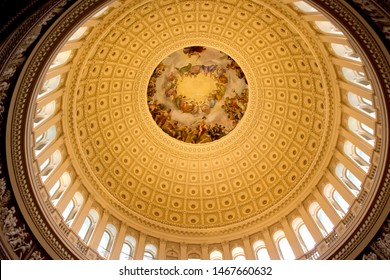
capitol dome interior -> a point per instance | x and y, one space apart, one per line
182 130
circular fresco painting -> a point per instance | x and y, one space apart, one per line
197 94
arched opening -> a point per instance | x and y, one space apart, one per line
150 252
216 255
238 254
283 246
105 245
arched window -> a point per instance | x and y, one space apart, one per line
283 246
344 51
100 13
356 77
327 27
128 248
304 7
262 254
260 250
350 180
45 112
85 227
172 255
107 241
238 254
321 219
362 104
79 33
336 200
126 252
150 252
59 187
104 243
304 236
216 255
340 201
43 140
193 256
89 225
72 208
68 209
50 85
61 58
357 155
50 165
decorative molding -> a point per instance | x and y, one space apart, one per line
376 12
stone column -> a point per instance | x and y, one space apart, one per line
82 215
310 224
292 239
118 244
140 247
67 196
227 255
328 209
183 251
248 249
99 230
161 255
270 245
205 252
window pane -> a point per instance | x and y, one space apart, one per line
304 7
306 237
104 244
216 255
353 179
61 58
84 229
363 155
68 209
262 254
126 252
367 101
50 85
78 34
367 129
285 249
43 165
328 226
148 256
327 27
341 202
238 253
54 189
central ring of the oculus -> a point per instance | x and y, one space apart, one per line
197 94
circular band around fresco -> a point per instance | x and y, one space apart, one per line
197 94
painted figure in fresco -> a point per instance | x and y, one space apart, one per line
195 70
234 66
183 71
194 50
208 69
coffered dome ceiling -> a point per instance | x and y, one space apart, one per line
256 173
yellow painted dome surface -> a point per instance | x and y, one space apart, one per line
256 171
